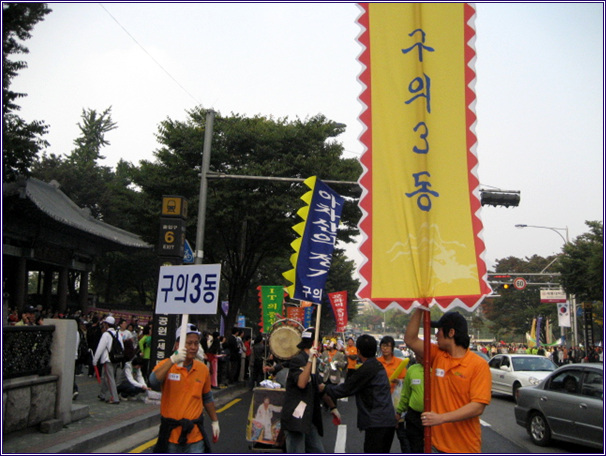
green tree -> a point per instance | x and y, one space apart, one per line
248 223
82 177
510 315
21 140
119 278
582 269
582 264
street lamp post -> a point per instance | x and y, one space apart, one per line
552 228
572 298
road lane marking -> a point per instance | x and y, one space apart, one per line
341 438
228 405
146 445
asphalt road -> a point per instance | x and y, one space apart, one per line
500 433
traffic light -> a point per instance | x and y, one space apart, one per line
496 198
501 280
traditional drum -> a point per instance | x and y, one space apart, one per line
284 337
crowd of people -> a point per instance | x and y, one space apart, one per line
93 340
388 390
559 354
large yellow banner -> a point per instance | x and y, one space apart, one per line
420 200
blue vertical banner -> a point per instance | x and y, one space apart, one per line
314 249
307 316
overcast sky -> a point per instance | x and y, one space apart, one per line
540 90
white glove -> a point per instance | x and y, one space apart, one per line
200 354
179 356
336 416
216 430
313 352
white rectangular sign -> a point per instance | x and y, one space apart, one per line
553 295
188 289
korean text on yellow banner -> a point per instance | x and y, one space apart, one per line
421 222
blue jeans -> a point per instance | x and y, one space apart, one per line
196 447
298 442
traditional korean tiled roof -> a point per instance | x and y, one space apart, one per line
55 204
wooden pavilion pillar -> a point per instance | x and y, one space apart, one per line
62 290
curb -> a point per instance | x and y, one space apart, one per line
91 439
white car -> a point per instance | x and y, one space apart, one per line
510 372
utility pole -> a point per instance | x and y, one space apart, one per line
208 135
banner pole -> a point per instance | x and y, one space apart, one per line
427 375
316 337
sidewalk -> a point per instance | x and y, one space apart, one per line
107 423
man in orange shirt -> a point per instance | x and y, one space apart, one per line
185 384
352 356
460 384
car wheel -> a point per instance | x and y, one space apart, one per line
514 391
538 429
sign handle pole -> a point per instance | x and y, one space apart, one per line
183 335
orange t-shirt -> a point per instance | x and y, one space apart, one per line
390 367
351 363
182 396
456 382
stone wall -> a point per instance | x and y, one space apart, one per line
44 399
28 401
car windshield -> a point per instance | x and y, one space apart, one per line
532 364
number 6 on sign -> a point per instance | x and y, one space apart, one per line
188 289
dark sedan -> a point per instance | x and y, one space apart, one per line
567 405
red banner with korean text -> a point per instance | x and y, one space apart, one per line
421 226
295 313
338 300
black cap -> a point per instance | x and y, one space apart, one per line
453 320
30 309
307 339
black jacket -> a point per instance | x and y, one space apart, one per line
295 395
371 387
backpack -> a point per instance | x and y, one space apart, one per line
116 353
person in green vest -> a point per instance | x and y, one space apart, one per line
411 402
145 347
